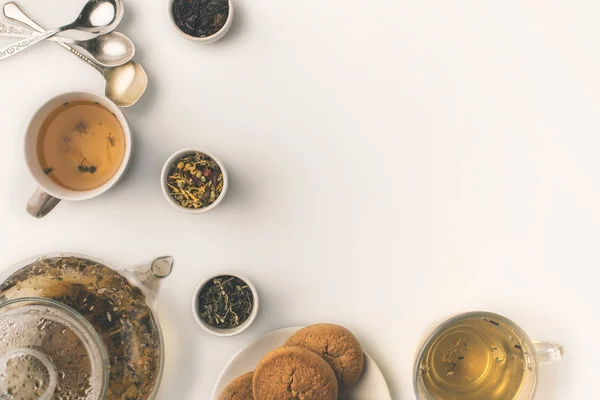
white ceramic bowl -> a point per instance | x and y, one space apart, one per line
165 173
225 332
207 39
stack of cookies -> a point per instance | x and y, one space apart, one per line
317 363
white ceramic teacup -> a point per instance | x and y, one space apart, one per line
51 193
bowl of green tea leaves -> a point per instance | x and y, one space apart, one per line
225 305
194 181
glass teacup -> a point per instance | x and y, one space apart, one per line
479 355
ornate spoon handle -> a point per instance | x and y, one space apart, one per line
18 47
10 30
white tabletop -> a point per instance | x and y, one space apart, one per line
391 163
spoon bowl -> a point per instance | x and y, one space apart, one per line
112 49
99 16
109 50
125 84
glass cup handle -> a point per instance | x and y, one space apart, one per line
547 353
41 203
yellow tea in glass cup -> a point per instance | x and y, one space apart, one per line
479 355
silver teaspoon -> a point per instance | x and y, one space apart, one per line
97 17
109 50
125 84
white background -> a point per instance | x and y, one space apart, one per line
391 163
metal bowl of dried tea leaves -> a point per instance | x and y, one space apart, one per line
194 181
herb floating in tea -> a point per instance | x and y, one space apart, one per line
87 168
195 180
81 127
200 18
225 302
112 141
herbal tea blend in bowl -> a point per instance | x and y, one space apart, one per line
225 305
194 181
201 20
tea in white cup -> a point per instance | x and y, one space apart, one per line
77 146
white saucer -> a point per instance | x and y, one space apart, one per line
372 385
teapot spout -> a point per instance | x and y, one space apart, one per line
152 277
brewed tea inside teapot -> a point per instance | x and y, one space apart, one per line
120 306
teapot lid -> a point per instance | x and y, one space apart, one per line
47 350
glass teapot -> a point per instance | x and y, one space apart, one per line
72 327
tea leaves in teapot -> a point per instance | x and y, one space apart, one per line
115 308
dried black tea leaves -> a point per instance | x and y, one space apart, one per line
225 302
200 18
195 180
